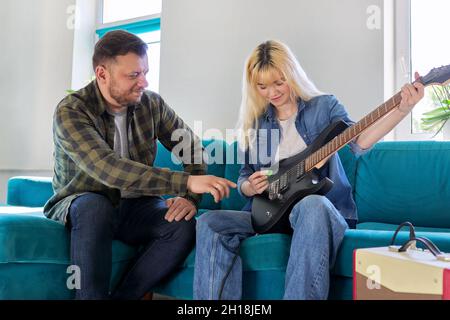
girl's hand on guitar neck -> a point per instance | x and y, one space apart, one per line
411 95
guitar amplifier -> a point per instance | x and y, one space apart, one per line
385 273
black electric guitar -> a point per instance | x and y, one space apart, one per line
298 176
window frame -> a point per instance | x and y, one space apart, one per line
139 25
403 67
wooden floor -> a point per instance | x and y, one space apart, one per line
155 296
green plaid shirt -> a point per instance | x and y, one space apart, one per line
83 134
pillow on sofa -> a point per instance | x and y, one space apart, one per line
405 181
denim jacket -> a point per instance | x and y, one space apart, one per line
312 118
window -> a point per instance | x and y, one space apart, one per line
117 10
420 44
141 17
429 48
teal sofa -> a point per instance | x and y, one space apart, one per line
393 183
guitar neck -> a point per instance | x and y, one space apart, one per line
351 133
439 76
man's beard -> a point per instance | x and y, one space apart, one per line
120 97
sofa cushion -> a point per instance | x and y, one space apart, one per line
35 255
255 250
43 281
32 238
405 181
263 277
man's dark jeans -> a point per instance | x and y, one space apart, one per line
94 223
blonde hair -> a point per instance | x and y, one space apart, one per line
264 62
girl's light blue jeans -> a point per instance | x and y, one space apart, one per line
318 232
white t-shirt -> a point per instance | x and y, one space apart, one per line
121 143
291 143
120 135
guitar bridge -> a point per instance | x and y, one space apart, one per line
277 187
274 189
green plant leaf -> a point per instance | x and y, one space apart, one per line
437 118
437 111
433 126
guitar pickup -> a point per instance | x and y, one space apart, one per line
284 182
299 170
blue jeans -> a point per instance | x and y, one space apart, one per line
318 232
94 223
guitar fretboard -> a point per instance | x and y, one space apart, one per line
351 132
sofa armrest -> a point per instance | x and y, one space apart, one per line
29 191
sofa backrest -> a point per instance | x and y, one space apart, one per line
235 201
29 191
393 183
402 181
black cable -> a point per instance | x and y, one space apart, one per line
426 242
222 285
412 234
413 239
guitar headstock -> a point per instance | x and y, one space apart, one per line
438 76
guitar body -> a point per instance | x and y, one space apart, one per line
272 216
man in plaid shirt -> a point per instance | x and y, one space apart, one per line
105 185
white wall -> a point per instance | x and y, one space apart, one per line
205 43
35 64
35 70
203 49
